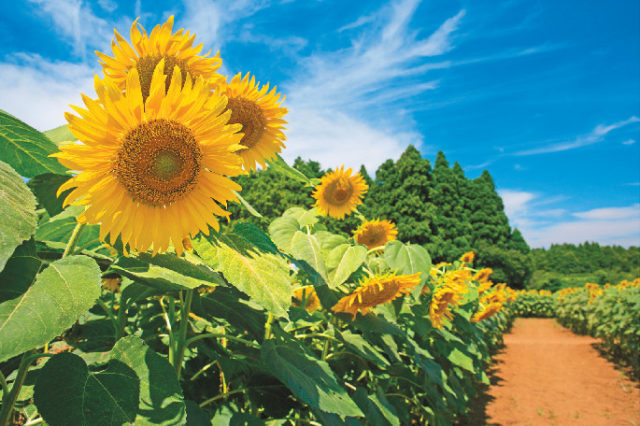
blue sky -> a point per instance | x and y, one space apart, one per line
543 94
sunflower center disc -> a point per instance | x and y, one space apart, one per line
159 162
147 64
375 236
249 114
339 192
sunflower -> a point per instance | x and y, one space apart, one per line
339 193
482 276
375 291
260 113
152 172
440 305
146 51
306 294
375 233
468 257
487 312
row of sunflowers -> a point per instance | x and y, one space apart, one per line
124 301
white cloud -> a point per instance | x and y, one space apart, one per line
38 91
108 5
76 23
595 136
629 142
542 226
351 105
609 213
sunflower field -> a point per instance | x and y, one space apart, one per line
128 295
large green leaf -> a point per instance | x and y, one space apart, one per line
407 258
308 378
264 276
277 163
282 230
350 260
168 271
60 134
60 294
358 344
161 401
45 188
17 212
68 394
20 271
377 410
26 149
307 248
60 227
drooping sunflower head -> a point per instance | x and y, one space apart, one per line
376 233
306 295
260 113
441 302
487 312
146 51
468 257
482 276
152 172
339 193
375 291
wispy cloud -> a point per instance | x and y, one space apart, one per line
595 136
76 23
38 91
354 98
542 226
629 142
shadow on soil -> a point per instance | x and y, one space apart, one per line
620 363
478 413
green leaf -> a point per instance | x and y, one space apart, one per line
351 260
17 212
306 247
161 401
363 348
26 149
461 360
247 206
167 271
196 416
377 410
308 378
68 394
45 188
255 236
329 241
265 277
282 230
407 258
60 134
60 227
60 294
303 216
20 271
277 163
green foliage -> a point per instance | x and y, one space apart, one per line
26 149
58 296
17 210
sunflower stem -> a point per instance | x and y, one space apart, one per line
267 327
73 241
8 401
181 341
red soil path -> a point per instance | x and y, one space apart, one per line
547 375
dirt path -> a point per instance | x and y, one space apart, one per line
548 375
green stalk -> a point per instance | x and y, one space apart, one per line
267 326
222 395
73 241
181 340
10 401
194 339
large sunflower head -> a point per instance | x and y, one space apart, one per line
375 291
146 51
487 312
376 233
154 171
339 193
260 113
441 303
